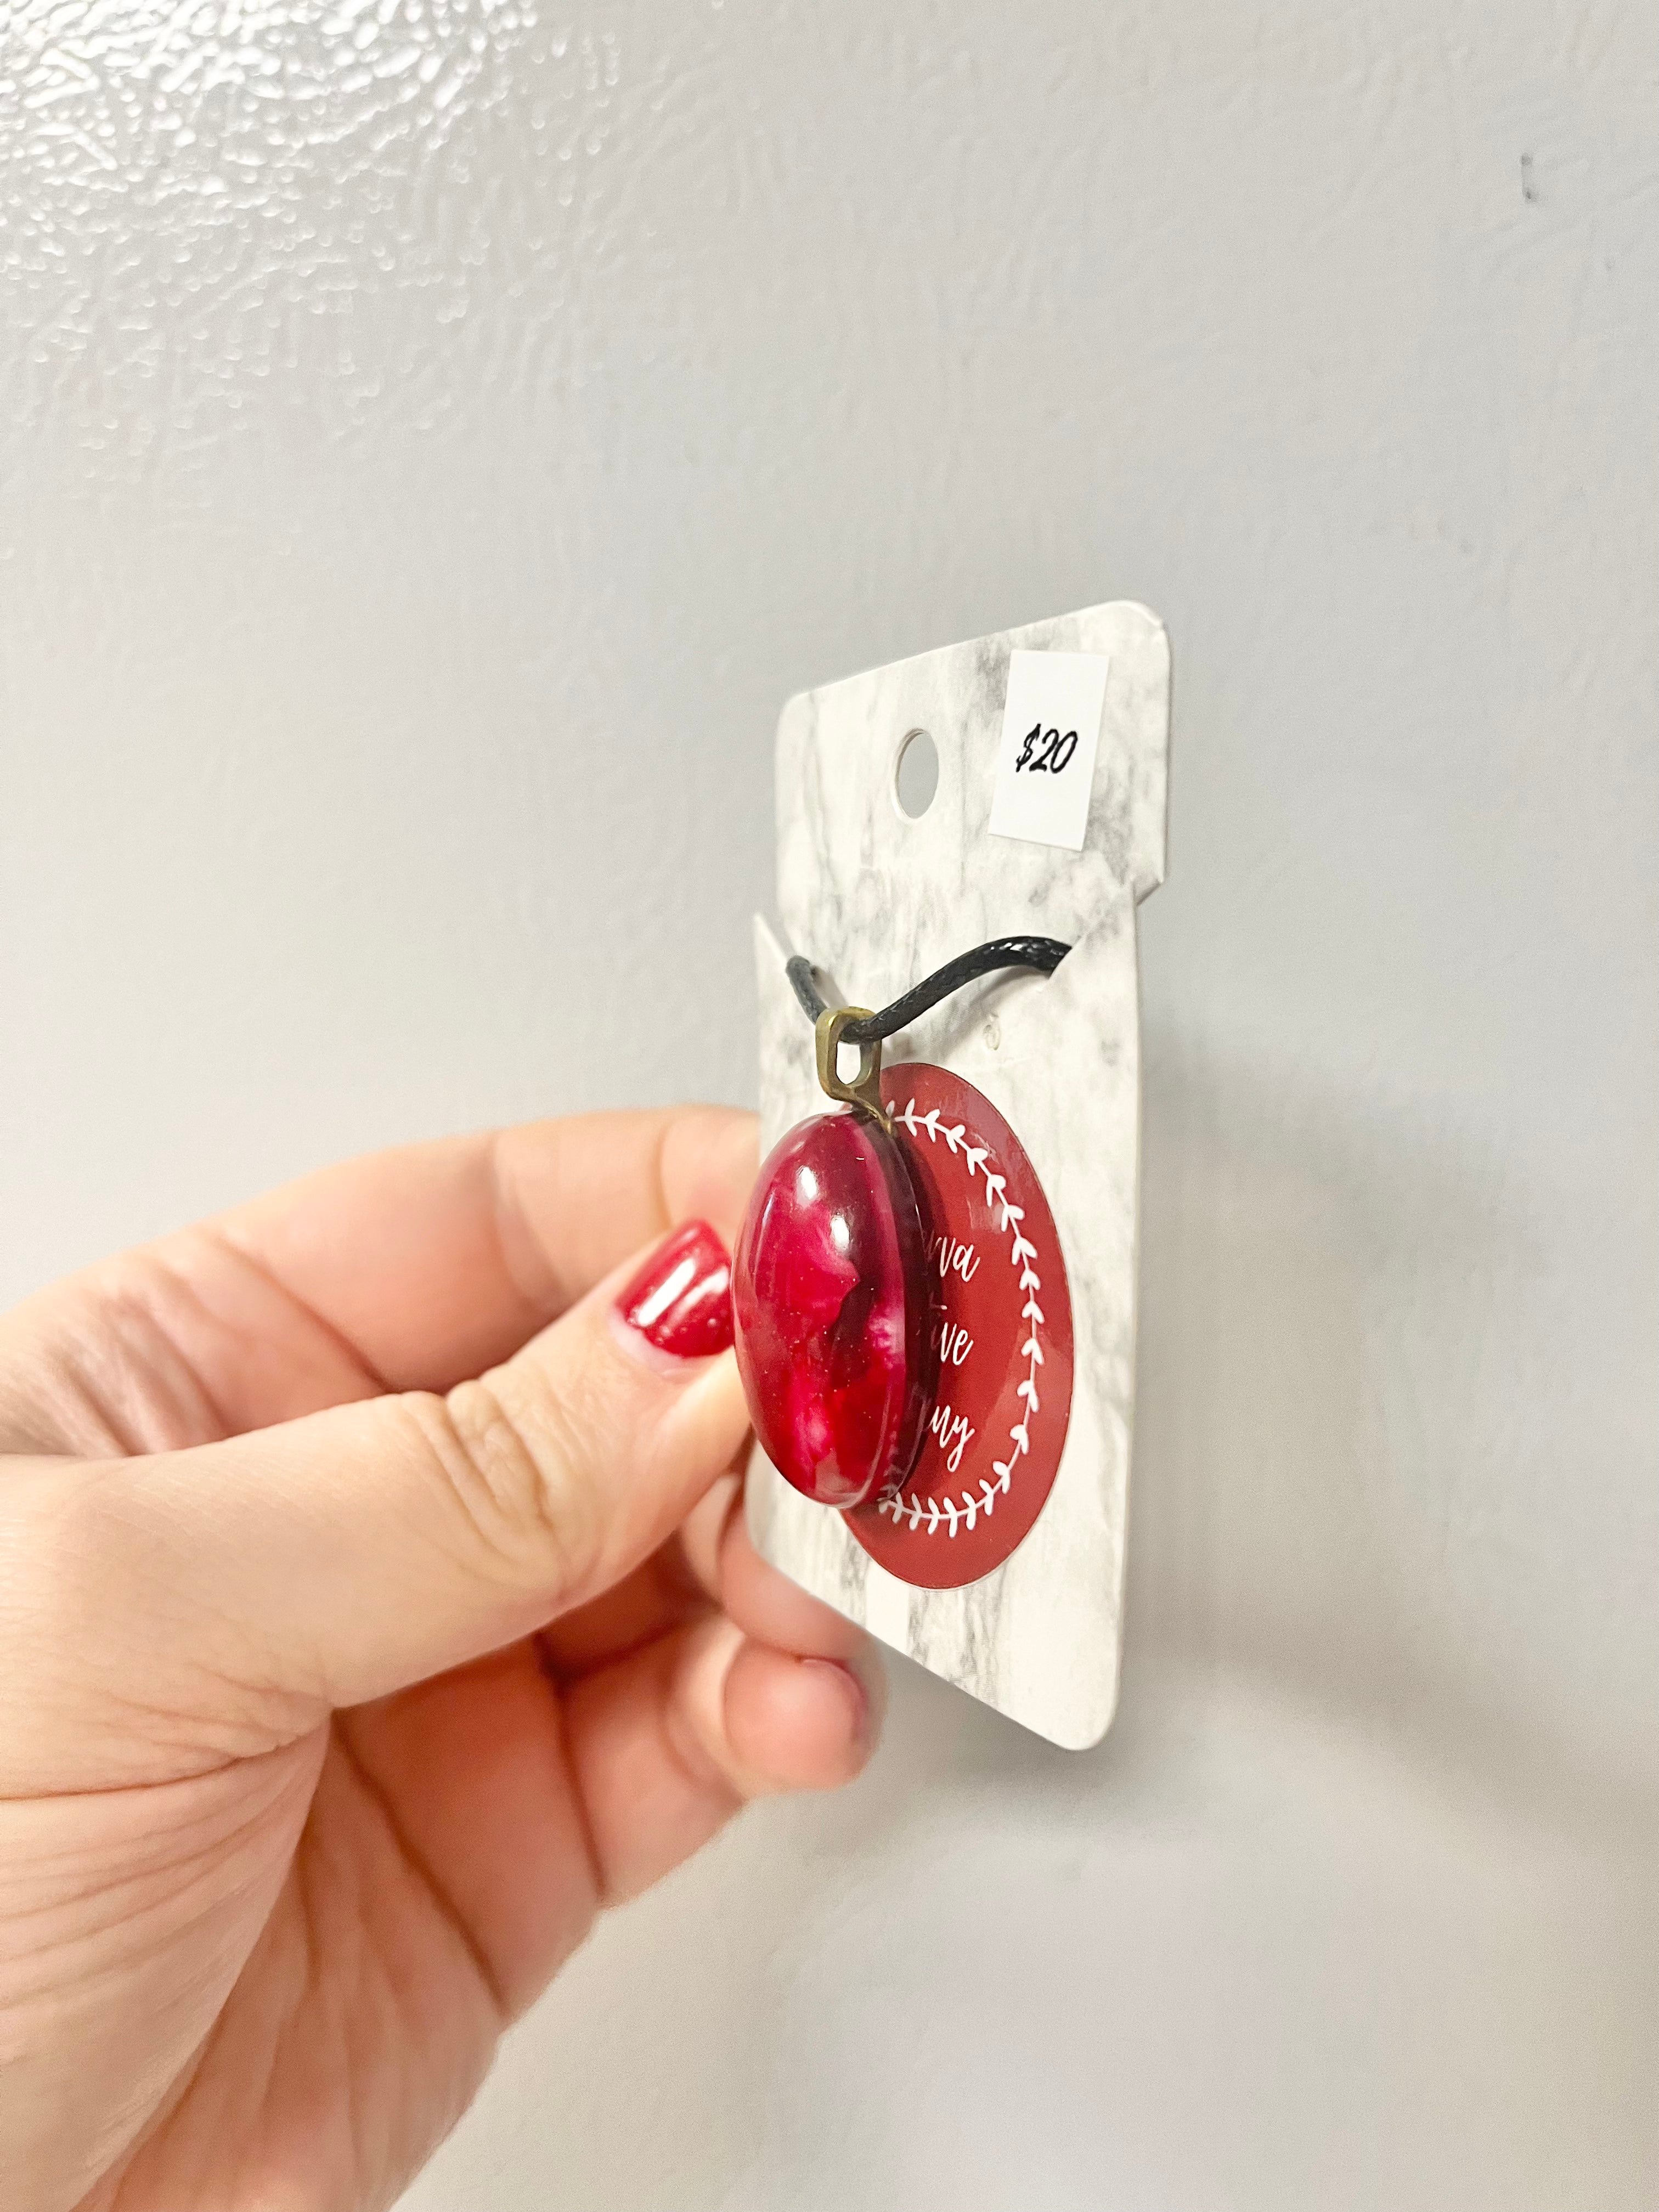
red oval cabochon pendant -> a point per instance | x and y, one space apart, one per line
1002 1324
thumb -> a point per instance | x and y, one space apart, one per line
337 1558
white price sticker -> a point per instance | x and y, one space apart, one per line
1046 757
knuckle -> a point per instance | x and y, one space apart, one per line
512 1463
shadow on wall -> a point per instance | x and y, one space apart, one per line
1355 1433
1350 1414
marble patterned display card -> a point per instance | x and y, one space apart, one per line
999 1564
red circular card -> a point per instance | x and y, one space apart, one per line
1002 1325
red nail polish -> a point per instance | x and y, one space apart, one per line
681 1300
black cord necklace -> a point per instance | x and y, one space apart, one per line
859 1025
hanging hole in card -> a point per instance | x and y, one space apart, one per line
916 773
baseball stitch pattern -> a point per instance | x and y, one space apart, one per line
936 1513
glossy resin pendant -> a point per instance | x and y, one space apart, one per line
831 1308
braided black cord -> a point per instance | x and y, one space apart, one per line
1043 953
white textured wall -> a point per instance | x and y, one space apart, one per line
437 434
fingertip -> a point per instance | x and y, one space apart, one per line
665 1743
799 1723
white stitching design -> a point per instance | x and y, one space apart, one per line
934 1513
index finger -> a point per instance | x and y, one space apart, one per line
434 1261
408 1270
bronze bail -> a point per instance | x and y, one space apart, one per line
863 1091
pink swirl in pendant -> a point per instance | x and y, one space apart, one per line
831 1305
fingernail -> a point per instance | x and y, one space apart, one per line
856 1696
681 1300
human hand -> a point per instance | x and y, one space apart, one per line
339 1690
